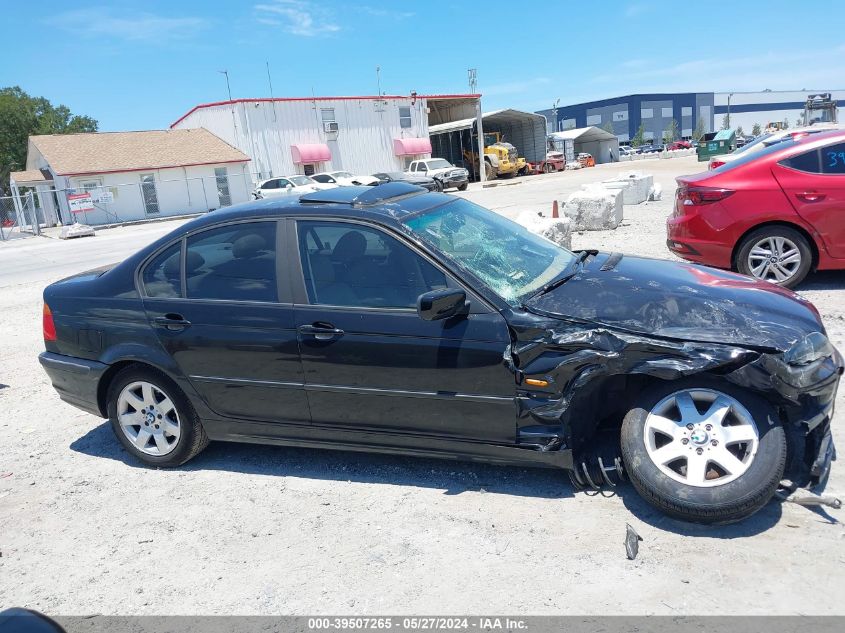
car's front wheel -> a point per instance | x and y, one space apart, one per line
463 187
703 450
153 418
778 254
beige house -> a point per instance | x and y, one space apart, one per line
106 177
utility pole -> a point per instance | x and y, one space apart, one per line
270 82
229 91
378 81
472 76
730 94
554 116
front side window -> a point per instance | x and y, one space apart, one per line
513 262
404 116
162 276
324 178
359 266
270 184
234 263
300 181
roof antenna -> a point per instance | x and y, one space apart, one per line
270 81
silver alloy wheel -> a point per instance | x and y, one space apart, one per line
701 437
148 418
774 259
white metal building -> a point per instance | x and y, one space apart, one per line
308 135
600 143
101 178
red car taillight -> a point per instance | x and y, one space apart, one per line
47 324
715 163
695 196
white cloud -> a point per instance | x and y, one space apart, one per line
297 17
105 22
386 13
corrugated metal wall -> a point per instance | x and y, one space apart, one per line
265 131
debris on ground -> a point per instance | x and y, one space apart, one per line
76 230
790 493
632 542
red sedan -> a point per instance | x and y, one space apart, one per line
776 215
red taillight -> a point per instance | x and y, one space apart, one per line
47 324
694 196
716 163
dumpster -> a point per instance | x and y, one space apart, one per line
716 143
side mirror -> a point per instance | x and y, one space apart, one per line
442 304
288 186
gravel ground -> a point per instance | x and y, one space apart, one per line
263 530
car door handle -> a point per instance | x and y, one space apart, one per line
174 322
321 331
810 196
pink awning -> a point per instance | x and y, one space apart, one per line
411 146
310 153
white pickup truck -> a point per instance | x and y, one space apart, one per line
442 171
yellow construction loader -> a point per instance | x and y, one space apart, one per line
501 159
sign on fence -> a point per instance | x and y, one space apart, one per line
80 202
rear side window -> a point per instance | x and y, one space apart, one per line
234 263
807 162
162 277
833 159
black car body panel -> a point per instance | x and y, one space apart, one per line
257 372
411 179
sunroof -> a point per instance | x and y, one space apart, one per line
362 196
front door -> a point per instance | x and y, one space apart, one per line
814 182
370 362
220 310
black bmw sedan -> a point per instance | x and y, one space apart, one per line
419 180
392 319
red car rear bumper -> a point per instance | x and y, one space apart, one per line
685 241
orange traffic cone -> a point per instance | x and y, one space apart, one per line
554 210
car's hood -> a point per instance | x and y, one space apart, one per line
681 301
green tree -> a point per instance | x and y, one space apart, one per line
22 116
698 132
739 131
755 131
608 126
672 132
785 123
639 137
726 122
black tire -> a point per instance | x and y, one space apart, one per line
720 504
463 187
776 231
548 168
192 438
490 172
438 186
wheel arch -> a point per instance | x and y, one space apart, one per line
814 246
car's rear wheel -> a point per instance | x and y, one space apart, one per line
153 418
778 254
703 450
463 187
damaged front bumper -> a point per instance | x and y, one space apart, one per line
586 370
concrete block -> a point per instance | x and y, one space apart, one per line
557 230
634 184
595 208
76 230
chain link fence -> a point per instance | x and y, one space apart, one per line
115 199
20 220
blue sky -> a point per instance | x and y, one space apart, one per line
141 65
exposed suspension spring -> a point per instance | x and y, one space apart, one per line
591 473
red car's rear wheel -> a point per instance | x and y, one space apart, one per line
778 254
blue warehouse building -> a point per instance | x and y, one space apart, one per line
654 111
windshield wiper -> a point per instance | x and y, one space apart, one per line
566 276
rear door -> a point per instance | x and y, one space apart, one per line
814 182
220 304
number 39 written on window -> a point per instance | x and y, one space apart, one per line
836 159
